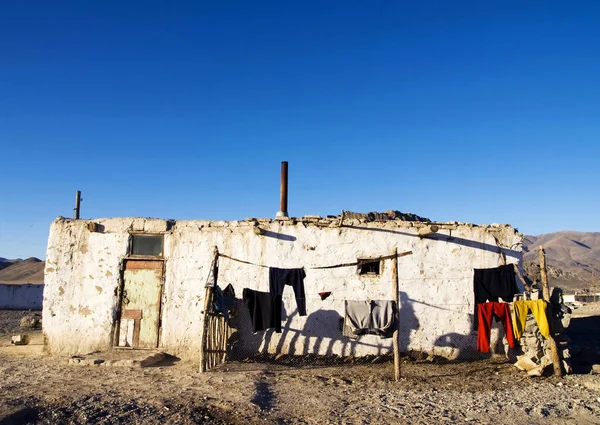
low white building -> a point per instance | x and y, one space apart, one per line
104 274
24 296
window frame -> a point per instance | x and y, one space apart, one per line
364 261
130 253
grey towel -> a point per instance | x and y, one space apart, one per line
370 317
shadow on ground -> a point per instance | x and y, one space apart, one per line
585 340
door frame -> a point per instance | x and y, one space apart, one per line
119 296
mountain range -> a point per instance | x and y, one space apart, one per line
572 258
19 271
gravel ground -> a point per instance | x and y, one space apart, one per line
10 319
43 390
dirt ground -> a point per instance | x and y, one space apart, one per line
46 390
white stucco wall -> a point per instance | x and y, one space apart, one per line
21 297
436 281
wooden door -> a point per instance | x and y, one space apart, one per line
140 305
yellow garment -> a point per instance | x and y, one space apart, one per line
538 309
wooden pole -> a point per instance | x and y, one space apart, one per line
546 294
204 332
395 290
594 287
207 301
520 276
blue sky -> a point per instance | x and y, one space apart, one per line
484 112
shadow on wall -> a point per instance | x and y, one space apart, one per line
408 321
323 330
276 235
243 343
450 239
459 346
464 346
455 346
320 333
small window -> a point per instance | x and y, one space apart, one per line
368 267
147 245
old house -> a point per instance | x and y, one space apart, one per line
141 281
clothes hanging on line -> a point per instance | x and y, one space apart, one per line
229 291
279 278
538 309
324 295
264 308
224 299
494 283
487 311
370 317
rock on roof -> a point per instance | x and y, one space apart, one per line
385 216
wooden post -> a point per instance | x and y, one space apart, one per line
594 287
395 293
546 294
521 278
208 292
204 332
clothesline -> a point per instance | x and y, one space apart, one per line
356 263
333 298
241 261
436 279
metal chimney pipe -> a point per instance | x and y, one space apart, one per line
77 205
283 199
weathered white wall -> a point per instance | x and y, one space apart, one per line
436 281
21 297
83 272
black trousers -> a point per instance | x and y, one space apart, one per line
278 278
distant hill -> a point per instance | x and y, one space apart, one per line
20 271
5 262
573 259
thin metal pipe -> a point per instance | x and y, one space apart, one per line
77 205
283 200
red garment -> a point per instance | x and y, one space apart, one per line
485 312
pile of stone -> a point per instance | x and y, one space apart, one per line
21 339
31 321
385 216
536 359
